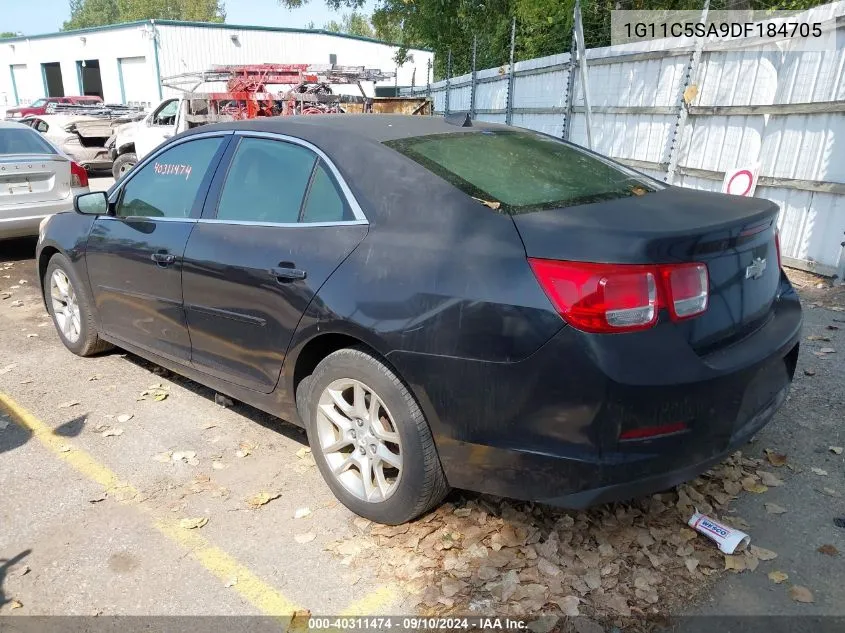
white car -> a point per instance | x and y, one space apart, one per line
36 180
82 138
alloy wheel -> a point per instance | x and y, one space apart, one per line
359 439
65 305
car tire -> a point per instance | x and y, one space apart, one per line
71 308
400 493
122 164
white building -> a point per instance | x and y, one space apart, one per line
124 63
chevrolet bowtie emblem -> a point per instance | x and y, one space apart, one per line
756 269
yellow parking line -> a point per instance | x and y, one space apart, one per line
254 590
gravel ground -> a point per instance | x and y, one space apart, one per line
68 548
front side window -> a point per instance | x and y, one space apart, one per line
166 114
167 186
521 171
267 181
38 103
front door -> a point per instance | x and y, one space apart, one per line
134 257
157 127
278 228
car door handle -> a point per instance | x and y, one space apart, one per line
163 258
287 271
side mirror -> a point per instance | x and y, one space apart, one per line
94 203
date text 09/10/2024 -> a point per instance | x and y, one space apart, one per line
416 623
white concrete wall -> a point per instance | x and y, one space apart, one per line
105 45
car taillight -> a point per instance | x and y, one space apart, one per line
688 289
606 298
777 247
78 175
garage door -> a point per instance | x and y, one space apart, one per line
22 88
135 80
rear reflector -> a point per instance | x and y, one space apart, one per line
78 175
649 432
606 298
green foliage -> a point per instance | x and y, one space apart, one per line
7 34
352 23
88 13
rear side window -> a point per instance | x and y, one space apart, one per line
324 203
23 141
266 182
521 171
167 186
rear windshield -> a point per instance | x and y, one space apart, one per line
23 141
520 171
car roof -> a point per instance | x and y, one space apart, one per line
374 127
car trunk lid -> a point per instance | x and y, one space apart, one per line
27 179
733 236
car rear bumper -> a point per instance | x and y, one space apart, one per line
548 428
23 220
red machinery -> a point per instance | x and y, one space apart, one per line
303 89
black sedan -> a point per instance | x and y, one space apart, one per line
440 303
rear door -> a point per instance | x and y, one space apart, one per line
31 171
277 223
134 256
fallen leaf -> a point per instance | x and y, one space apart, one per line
124 418
762 553
769 479
112 432
31 336
303 452
160 396
750 485
231 582
193 523
568 604
775 459
773 508
100 497
819 472
816 337
778 577
68 404
827 350
734 563
23 571
17 304
691 564
809 372
94 377
836 450
828 549
307 537
301 513
800 594
262 498
15 604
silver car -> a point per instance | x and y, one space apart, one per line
36 180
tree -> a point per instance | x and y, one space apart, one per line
87 13
544 27
353 24
7 34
